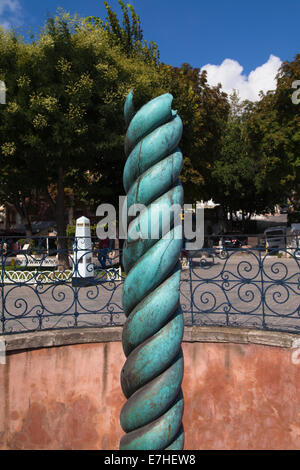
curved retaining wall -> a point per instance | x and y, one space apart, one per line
61 390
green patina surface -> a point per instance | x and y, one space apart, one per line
152 375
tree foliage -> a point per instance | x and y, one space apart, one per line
127 34
274 130
62 130
260 157
203 110
239 181
63 123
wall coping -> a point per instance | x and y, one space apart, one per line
203 334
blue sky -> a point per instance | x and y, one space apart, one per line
239 43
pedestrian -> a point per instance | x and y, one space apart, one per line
103 252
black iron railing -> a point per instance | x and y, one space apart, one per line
44 288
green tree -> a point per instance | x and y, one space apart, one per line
203 110
239 178
63 126
17 183
274 131
127 34
62 130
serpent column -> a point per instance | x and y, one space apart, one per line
152 375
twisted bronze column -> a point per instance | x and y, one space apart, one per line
152 375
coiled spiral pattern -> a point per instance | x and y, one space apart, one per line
152 375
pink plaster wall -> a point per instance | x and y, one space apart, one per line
69 397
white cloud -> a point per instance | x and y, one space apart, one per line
10 13
230 75
9 5
4 24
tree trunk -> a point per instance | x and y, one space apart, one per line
63 258
24 213
231 220
27 222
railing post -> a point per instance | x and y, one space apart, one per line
75 286
262 284
2 285
190 280
152 375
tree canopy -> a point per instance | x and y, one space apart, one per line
274 130
259 164
63 123
62 131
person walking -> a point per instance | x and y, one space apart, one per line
103 252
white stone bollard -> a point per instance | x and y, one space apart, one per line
83 255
